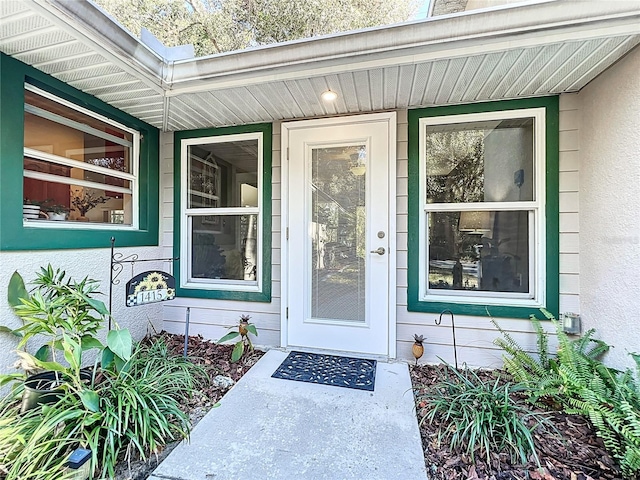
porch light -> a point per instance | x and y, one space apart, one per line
329 96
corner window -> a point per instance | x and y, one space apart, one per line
481 227
80 169
223 246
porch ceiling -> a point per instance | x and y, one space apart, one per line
524 51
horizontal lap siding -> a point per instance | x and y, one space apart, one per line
569 202
475 335
211 318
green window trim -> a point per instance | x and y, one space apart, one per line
414 303
14 235
265 295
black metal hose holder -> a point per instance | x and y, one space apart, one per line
453 329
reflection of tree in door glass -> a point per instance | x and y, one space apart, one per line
338 224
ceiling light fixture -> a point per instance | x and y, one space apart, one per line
329 96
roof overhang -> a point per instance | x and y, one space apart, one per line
521 51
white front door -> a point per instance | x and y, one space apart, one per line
340 246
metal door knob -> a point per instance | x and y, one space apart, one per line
379 251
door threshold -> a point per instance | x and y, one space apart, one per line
339 353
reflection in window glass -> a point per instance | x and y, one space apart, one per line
224 247
223 174
485 161
479 250
76 167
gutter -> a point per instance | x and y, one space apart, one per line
462 34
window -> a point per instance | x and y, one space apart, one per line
481 223
80 168
225 213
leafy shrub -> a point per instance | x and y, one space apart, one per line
481 415
131 404
576 380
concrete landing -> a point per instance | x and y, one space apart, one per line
267 428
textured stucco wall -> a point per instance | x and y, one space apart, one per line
610 207
78 264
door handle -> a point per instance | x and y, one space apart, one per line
379 251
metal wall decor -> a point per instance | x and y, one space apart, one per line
118 260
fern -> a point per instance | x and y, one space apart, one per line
577 380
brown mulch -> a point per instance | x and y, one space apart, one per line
216 360
568 450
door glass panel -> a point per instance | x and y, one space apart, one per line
337 231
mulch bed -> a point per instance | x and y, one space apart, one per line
570 450
216 360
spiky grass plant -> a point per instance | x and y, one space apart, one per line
481 415
139 412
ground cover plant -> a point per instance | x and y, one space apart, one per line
591 414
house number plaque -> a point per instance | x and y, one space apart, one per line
150 287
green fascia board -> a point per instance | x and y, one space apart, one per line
552 122
14 236
267 136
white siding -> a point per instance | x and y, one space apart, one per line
210 318
569 204
475 335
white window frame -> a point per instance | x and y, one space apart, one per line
187 214
536 297
132 177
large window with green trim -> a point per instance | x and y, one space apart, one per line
75 171
223 212
481 201
78 166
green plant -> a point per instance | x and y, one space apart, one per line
138 412
63 312
481 415
140 406
576 380
56 208
244 328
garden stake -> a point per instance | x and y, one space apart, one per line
186 333
453 327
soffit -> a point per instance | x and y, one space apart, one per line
447 60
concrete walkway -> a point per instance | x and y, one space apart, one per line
267 428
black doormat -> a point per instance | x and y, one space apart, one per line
346 372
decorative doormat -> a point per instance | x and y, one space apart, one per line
346 372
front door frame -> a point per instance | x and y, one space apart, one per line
390 118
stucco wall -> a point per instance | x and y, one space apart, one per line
610 207
78 264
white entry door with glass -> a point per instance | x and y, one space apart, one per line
340 238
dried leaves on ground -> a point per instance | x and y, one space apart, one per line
216 360
568 449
